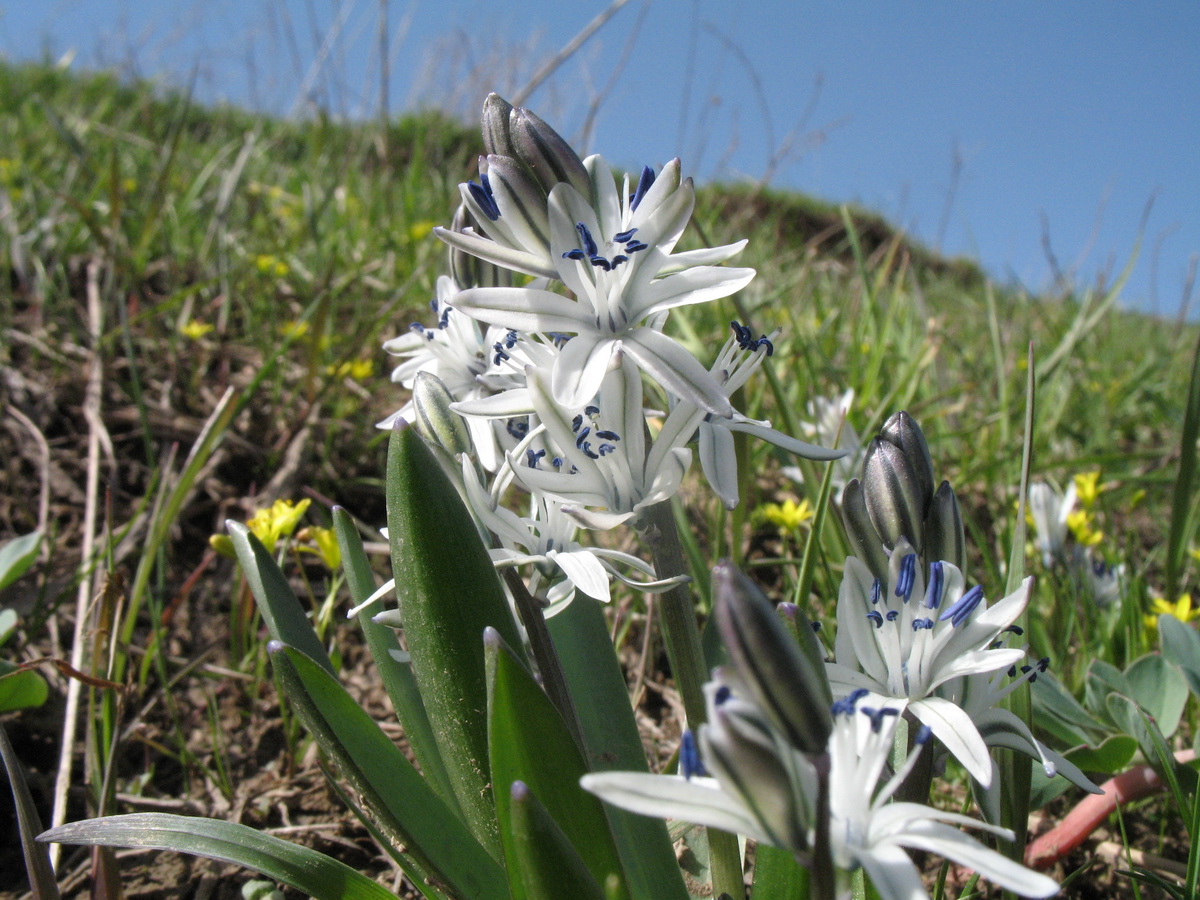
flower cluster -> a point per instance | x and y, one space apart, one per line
551 374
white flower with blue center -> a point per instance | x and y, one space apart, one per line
904 638
615 258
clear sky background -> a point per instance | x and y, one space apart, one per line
992 130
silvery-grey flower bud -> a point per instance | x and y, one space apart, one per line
865 542
893 487
496 123
902 430
548 156
525 207
944 534
792 691
739 750
435 421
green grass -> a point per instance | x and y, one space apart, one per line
247 226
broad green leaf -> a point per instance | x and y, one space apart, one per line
300 867
21 689
612 743
428 835
448 593
529 743
396 676
777 875
1109 757
1060 714
1159 688
17 555
1181 645
8 624
544 863
285 618
37 860
1103 678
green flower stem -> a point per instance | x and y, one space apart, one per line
681 635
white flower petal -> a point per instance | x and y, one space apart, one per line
498 254
966 851
580 367
957 731
585 572
691 286
678 371
719 463
523 309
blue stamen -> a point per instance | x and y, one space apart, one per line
922 624
622 236
906 580
723 693
634 246
606 449
846 705
517 429
892 615
483 196
581 436
608 435
576 254
961 610
689 757
1015 629
576 422
816 626
876 617
924 733
933 593
591 410
876 590
877 716
417 327
532 457
643 185
585 238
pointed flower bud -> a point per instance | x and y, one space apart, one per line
944 534
902 430
779 677
864 539
435 421
548 156
893 487
497 114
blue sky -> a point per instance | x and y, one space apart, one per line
1065 118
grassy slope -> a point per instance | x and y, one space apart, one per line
179 214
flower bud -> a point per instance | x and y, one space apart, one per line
548 156
497 116
944 535
865 542
521 198
902 430
783 681
739 750
894 489
435 421
470 271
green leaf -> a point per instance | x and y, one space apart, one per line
777 875
448 593
1159 688
1109 757
1103 679
544 865
1057 712
396 676
1181 645
285 618
429 838
1185 484
529 743
17 555
300 867
20 689
612 743
37 860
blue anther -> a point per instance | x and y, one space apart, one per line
608 435
510 339
532 457
764 341
517 429
922 625
723 693
581 435
591 410
600 263
618 259
622 236
576 422
907 578
588 451
606 449
815 626
878 715
417 327
643 185
690 763
924 733
876 590
483 196
635 246
586 239
1015 629
576 254
876 617
556 461
892 615
961 609
933 593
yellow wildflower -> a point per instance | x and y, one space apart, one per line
325 545
1087 487
1181 609
277 521
789 516
358 369
1080 522
418 231
271 265
293 329
195 329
